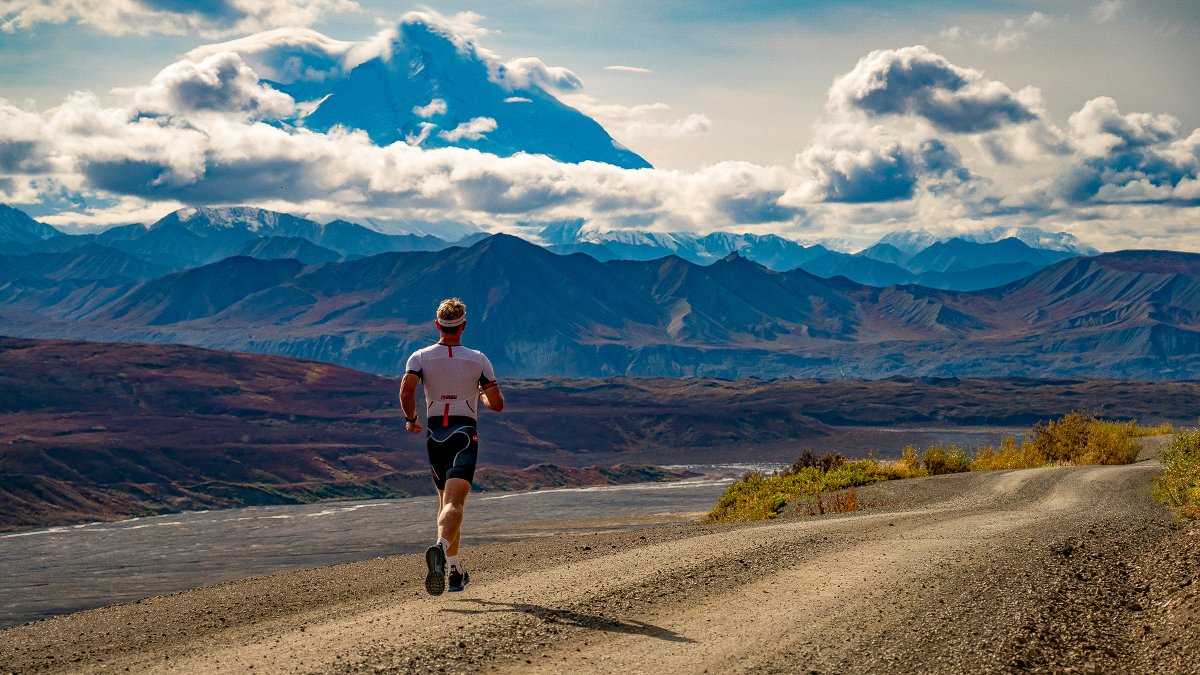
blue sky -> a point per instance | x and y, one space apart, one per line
705 85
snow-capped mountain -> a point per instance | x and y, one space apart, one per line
772 251
912 243
1035 237
957 263
428 89
248 221
909 243
16 226
193 236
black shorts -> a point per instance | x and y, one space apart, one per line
453 449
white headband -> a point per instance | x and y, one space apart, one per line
452 322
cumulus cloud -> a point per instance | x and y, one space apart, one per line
1099 128
286 55
24 148
1137 157
855 164
471 130
222 159
211 18
909 140
915 81
220 83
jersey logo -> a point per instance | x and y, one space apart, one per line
450 397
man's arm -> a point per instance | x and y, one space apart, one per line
408 402
492 397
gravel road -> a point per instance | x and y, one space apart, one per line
1042 570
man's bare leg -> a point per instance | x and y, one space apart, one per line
451 501
452 543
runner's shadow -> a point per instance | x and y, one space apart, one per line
570 618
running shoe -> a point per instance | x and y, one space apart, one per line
458 581
435 581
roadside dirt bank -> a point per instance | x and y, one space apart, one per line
1070 569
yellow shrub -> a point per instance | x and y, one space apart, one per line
1178 485
1009 456
1109 443
939 459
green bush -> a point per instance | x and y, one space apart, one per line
1179 484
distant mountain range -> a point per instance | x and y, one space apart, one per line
1125 314
958 263
198 236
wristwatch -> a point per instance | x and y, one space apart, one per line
410 420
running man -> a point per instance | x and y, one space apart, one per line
455 379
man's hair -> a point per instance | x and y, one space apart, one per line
451 310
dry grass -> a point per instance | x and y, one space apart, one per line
1077 438
1011 455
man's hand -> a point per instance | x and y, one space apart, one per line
492 398
408 402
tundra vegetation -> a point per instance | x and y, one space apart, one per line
1178 486
827 483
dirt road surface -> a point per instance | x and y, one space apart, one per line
1042 570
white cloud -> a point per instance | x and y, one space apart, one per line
464 29
1137 157
471 130
855 162
435 107
692 125
1099 128
518 99
1107 11
211 19
642 121
521 73
629 69
419 138
286 55
1011 34
220 83
909 141
914 81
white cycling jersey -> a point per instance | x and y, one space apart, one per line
453 376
